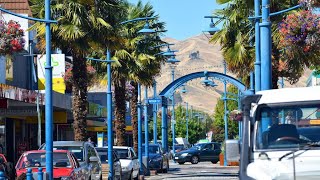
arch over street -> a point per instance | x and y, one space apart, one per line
167 91
216 75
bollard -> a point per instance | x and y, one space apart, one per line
40 174
1 175
29 174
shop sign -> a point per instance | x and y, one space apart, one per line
19 94
18 112
58 63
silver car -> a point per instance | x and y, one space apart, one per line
103 154
86 154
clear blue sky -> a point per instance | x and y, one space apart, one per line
183 18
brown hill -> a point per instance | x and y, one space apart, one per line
206 57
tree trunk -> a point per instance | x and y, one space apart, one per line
79 98
134 116
275 67
120 111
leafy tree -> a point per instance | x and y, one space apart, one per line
237 34
83 27
135 63
218 123
196 127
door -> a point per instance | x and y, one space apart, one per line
207 152
95 164
135 162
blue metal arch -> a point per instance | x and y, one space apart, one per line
220 76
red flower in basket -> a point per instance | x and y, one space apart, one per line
236 115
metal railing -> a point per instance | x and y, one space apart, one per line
29 175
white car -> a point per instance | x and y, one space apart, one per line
129 162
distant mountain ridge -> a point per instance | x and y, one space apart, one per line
196 54
208 58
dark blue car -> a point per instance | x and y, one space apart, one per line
158 160
199 152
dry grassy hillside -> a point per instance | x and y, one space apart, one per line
210 59
207 58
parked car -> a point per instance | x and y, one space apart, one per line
158 160
85 153
129 162
65 164
7 168
103 154
199 152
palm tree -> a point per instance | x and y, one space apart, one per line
237 34
81 28
135 63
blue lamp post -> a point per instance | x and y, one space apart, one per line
146 129
173 63
139 130
155 108
48 85
187 112
187 122
145 31
109 113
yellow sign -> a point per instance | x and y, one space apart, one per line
104 129
58 84
58 70
58 118
315 121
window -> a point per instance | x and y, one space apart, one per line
133 154
287 126
76 150
122 153
208 147
39 160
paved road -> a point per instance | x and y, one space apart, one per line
203 170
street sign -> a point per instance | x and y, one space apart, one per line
154 101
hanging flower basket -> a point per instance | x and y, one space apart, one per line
300 32
11 37
236 115
310 3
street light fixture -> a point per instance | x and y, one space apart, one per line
172 63
183 90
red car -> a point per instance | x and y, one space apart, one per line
65 164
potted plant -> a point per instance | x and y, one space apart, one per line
221 155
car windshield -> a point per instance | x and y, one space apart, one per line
197 146
103 154
76 150
39 160
151 149
288 127
122 153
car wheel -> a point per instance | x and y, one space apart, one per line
194 160
181 163
214 162
137 177
131 175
